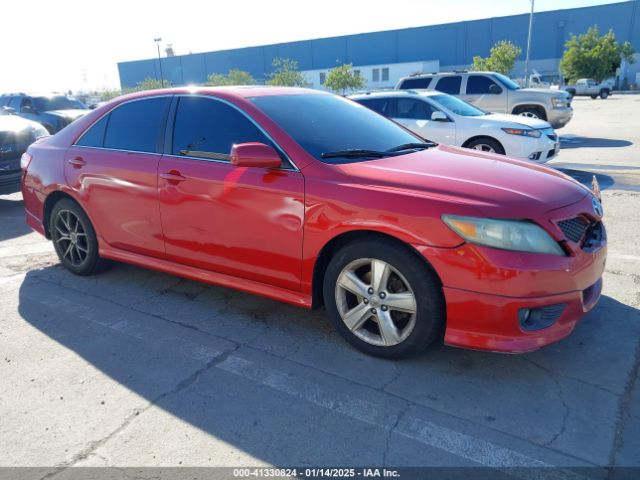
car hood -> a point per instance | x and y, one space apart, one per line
512 119
72 114
496 185
545 91
13 123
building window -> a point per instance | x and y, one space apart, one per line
323 77
385 74
375 75
356 73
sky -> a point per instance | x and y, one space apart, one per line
76 44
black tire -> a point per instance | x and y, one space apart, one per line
423 327
532 112
593 97
488 141
79 255
604 94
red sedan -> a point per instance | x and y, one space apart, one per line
312 199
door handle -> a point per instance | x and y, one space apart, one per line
77 162
173 176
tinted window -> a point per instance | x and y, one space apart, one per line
507 82
94 137
208 128
58 102
15 103
4 101
479 84
449 84
379 105
412 108
328 123
136 125
419 82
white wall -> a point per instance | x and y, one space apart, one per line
396 71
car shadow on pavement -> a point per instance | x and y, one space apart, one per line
586 177
249 371
575 141
12 208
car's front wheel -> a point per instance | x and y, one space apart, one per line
383 299
74 238
486 144
604 94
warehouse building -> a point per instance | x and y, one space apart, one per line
383 57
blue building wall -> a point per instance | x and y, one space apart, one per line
452 44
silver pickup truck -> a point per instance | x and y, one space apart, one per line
496 93
589 87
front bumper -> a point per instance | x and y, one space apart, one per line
537 150
559 117
487 290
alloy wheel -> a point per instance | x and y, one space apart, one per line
71 237
484 147
529 114
376 302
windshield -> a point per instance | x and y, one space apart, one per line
58 102
457 106
507 82
328 123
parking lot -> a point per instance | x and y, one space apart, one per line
138 368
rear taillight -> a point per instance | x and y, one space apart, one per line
25 160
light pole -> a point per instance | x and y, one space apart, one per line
526 62
158 40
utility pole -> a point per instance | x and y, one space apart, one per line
526 62
158 40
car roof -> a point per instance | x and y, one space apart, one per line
242 91
396 93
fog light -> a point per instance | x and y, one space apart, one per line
537 318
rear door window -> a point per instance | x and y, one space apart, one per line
137 126
412 108
94 137
449 84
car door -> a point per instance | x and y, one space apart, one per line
484 92
245 222
113 168
415 114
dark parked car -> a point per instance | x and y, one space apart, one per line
54 111
16 134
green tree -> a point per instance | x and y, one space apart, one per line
591 55
234 77
108 94
150 84
343 78
285 73
501 59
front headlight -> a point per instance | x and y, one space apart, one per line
525 132
558 102
517 235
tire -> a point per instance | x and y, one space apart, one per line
416 288
74 238
531 112
593 97
486 144
604 94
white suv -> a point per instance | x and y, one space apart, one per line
446 119
497 93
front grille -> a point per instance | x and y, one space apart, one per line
574 228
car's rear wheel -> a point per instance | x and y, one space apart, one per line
383 299
74 238
486 144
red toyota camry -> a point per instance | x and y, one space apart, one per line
312 199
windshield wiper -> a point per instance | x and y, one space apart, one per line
412 146
356 153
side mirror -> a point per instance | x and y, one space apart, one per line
495 89
26 109
254 154
439 116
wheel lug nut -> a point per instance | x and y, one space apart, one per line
384 308
370 290
366 300
374 311
382 294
